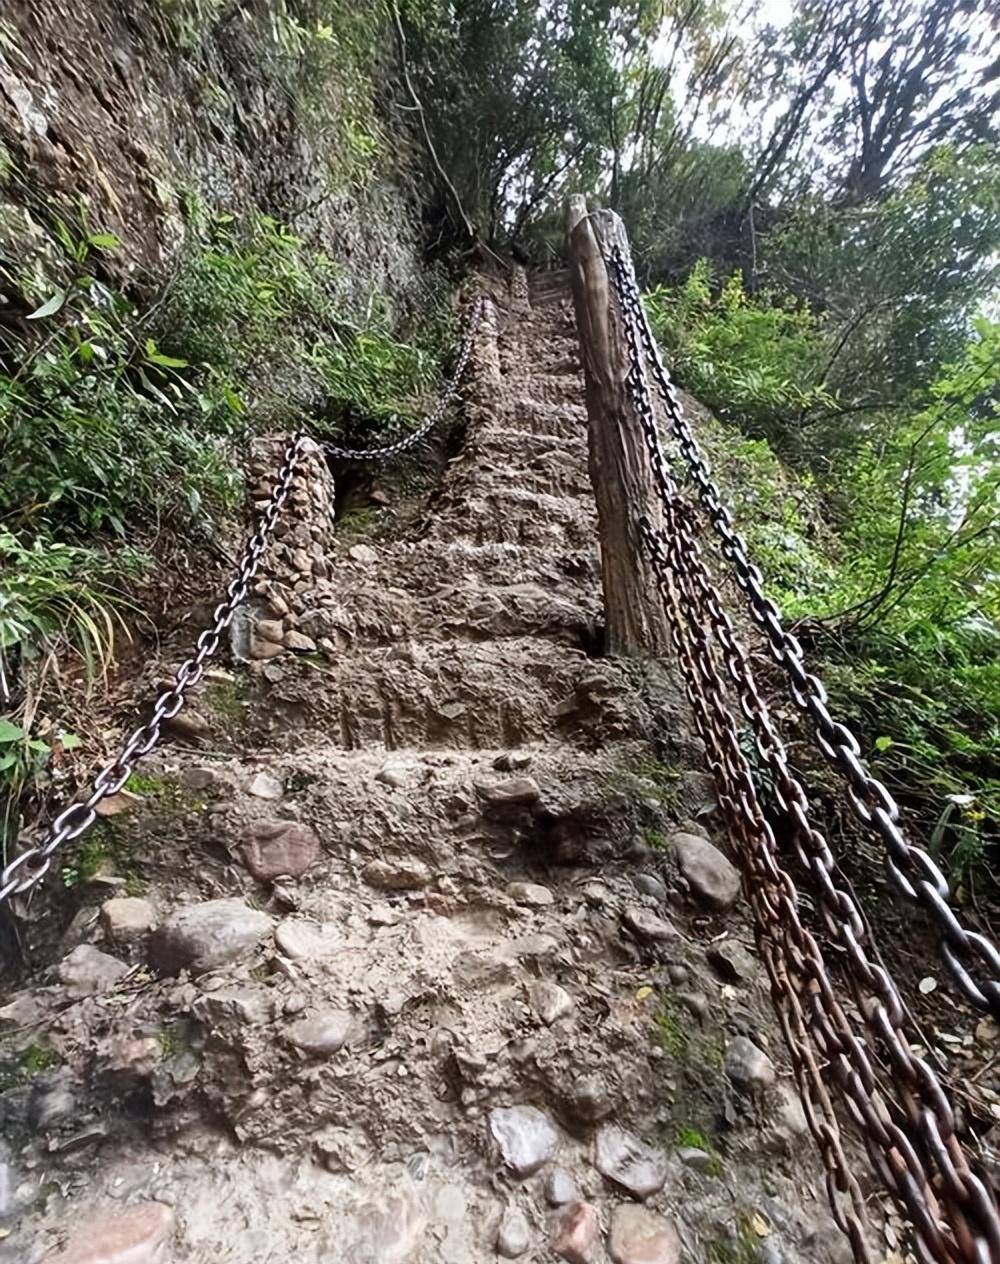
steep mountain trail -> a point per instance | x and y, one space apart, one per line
423 951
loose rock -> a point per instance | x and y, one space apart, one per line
87 970
299 642
390 776
120 1235
649 884
526 1137
321 1034
639 1237
299 939
629 1162
590 1099
579 1231
272 849
397 875
731 961
648 926
266 786
270 630
517 792
118 804
748 1068
549 1001
205 936
530 894
513 1235
127 918
696 1159
710 876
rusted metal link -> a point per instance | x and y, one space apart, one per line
904 1117
972 959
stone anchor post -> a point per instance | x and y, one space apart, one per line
299 555
619 467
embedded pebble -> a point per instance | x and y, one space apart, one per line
321 1034
549 1001
590 1099
526 1137
731 961
747 1067
127 918
578 1233
530 894
649 884
516 792
274 849
560 1188
696 1159
711 878
628 1162
391 776
405 874
299 939
513 1235
299 642
119 1235
266 786
646 925
638 1236
201 937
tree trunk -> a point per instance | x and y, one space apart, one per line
619 466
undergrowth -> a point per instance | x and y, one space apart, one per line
886 562
122 425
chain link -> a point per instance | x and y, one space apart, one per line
28 868
444 401
911 1137
912 870
32 864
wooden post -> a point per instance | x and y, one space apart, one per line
619 466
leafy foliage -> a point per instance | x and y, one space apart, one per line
889 559
752 361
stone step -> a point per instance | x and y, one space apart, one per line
457 694
382 603
547 417
514 515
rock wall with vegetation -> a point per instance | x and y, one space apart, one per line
210 228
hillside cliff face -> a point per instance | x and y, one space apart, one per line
114 116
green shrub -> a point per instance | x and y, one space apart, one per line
755 360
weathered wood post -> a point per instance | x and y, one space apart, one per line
619 468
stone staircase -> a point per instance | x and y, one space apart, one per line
425 953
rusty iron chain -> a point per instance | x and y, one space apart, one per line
906 1140
445 398
912 870
32 864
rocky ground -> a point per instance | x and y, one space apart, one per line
418 942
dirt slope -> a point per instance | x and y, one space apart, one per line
510 999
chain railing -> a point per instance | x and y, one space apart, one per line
390 450
972 959
33 863
903 1113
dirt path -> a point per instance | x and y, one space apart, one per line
507 1000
